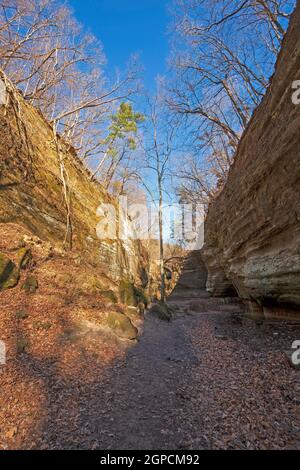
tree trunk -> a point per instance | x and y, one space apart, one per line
161 246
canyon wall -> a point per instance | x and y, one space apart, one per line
252 231
34 166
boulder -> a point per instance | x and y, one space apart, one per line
121 326
9 273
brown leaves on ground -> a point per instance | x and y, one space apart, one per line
43 358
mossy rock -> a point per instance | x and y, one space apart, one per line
24 256
121 326
132 295
9 273
110 295
161 311
30 285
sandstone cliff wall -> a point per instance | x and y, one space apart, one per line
31 191
252 232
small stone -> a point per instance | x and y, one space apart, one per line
290 356
22 344
21 315
39 325
141 308
30 285
24 257
78 261
11 432
9 273
221 337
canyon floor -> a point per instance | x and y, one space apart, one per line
208 379
186 386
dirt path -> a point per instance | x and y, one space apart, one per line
185 386
209 379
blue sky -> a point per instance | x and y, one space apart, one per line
126 27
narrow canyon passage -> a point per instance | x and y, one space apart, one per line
149 225
209 379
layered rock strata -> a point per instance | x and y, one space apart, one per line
252 231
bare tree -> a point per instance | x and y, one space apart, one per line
224 53
158 153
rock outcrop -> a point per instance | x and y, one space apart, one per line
50 251
252 231
34 166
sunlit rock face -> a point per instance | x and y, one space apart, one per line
252 232
31 192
